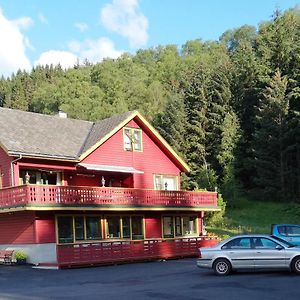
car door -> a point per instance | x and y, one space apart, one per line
268 254
240 253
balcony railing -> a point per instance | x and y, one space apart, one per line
102 196
123 251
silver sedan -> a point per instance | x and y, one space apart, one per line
250 252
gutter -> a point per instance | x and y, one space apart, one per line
12 170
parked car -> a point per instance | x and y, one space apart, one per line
287 232
251 252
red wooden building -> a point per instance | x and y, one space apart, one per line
75 192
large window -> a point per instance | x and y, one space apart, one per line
165 182
73 229
125 227
174 226
133 139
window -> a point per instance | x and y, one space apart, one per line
180 225
113 227
263 243
40 177
79 228
125 227
238 243
65 229
137 228
93 228
165 182
189 225
133 139
168 227
72 229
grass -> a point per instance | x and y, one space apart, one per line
250 216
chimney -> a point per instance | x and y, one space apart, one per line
62 114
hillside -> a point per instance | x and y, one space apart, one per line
251 216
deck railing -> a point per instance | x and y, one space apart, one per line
125 251
102 196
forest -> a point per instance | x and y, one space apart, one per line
230 108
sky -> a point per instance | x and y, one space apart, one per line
40 32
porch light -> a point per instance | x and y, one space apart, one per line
103 181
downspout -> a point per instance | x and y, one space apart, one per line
12 170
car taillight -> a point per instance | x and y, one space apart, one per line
199 253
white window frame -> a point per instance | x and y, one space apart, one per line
161 178
132 143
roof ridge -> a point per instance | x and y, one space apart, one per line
86 139
43 114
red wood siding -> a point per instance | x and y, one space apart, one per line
5 168
45 229
152 160
17 228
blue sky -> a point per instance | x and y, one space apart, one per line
36 32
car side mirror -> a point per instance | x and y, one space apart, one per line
278 247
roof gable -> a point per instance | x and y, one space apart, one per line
122 121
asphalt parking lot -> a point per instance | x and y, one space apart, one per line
174 279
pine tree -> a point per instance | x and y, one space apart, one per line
269 146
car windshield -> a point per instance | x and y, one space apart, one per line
287 244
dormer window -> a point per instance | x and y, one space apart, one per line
133 139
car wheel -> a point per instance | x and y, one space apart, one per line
296 265
222 266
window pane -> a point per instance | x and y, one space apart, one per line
79 228
113 227
137 135
127 139
126 227
294 230
65 229
93 228
158 182
169 183
137 228
168 227
262 243
189 225
178 231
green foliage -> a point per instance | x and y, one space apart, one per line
216 218
20 255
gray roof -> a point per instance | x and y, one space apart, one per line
32 134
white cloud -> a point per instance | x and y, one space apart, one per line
81 26
124 18
95 50
53 57
13 45
42 18
23 22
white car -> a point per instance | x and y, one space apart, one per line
250 252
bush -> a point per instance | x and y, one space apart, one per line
216 217
20 255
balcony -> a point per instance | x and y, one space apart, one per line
64 197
